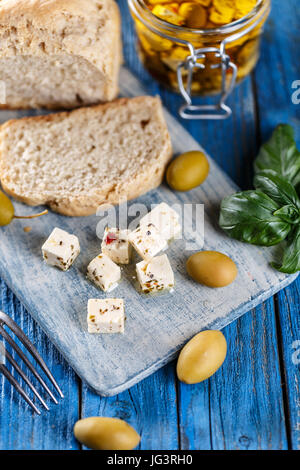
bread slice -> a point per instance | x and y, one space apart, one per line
59 53
78 161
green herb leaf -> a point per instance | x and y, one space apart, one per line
291 255
277 188
281 155
271 213
249 217
289 213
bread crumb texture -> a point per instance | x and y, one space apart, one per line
78 161
59 53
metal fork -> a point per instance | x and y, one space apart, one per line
6 320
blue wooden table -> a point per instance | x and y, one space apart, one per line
253 401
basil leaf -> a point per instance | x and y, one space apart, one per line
289 213
277 188
281 155
249 217
291 255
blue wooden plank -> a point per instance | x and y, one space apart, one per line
244 398
278 68
289 308
194 416
20 429
150 407
280 63
245 395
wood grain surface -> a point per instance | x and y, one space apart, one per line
253 401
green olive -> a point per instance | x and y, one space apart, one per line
7 211
187 171
106 434
211 268
201 357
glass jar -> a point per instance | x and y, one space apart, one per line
200 62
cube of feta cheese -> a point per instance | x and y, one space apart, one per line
115 244
105 316
155 275
103 272
147 241
165 219
61 249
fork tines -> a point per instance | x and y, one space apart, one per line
14 328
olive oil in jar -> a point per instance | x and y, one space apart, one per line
200 14
204 24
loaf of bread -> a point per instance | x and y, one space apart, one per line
59 53
78 161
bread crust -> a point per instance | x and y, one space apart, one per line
42 11
46 14
63 27
88 204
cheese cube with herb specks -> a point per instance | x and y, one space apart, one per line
116 245
165 219
103 272
155 275
147 241
105 316
61 249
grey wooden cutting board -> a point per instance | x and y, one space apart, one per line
156 327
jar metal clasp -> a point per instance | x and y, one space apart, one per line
214 111
220 110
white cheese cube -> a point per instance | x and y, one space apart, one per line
61 249
147 241
155 275
115 244
103 272
105 316
165 219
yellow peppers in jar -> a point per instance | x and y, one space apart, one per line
204 24
201 13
